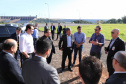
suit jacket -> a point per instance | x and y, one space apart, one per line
45 28
60 29
37 71
63 42
119 46
52 31
14 36
53 47
10 72
117 78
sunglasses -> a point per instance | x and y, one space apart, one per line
112 32
96 29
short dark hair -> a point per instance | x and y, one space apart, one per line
67 29
90 69
18 28
7 45
42 45
78 27
46 31
46 23
28 26
99 27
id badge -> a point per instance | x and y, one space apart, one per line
113 48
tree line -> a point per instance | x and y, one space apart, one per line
113 21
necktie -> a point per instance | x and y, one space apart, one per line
18 41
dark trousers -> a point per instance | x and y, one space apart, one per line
34 40
58 34
24 57
96 54
49 58
66 52
75 53
18 56
110 66
53 34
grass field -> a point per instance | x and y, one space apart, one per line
106 30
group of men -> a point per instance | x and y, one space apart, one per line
36 54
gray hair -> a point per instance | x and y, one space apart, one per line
117 30
120 56
67 29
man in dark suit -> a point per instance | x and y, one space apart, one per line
119 65
67 48
10 71
59 29
53 30
46 27
115 45
36 70
47 35
16 37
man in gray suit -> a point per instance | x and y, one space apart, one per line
36 70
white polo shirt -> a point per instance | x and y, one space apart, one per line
26 43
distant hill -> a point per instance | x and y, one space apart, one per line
43 20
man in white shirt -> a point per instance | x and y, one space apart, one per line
26 43
119 65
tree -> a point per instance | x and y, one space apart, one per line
112 21
124 19
119 20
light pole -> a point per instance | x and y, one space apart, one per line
48 11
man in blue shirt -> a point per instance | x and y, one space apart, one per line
97 41
79 38
35 34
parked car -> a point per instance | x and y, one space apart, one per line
5 33
12 24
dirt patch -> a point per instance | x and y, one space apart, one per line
68 77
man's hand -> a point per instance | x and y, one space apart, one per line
61 49
94 42
78 45
106 52
27 56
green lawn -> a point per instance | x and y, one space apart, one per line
106 30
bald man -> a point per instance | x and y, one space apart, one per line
119 65
10 72
116 44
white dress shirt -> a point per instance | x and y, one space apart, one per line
119 72
69 41
26 43
52 27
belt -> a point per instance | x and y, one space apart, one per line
29 53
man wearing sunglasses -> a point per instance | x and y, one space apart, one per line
116 44
97 41
119 65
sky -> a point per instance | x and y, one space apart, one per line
64 9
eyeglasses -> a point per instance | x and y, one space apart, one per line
96 29
112 32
